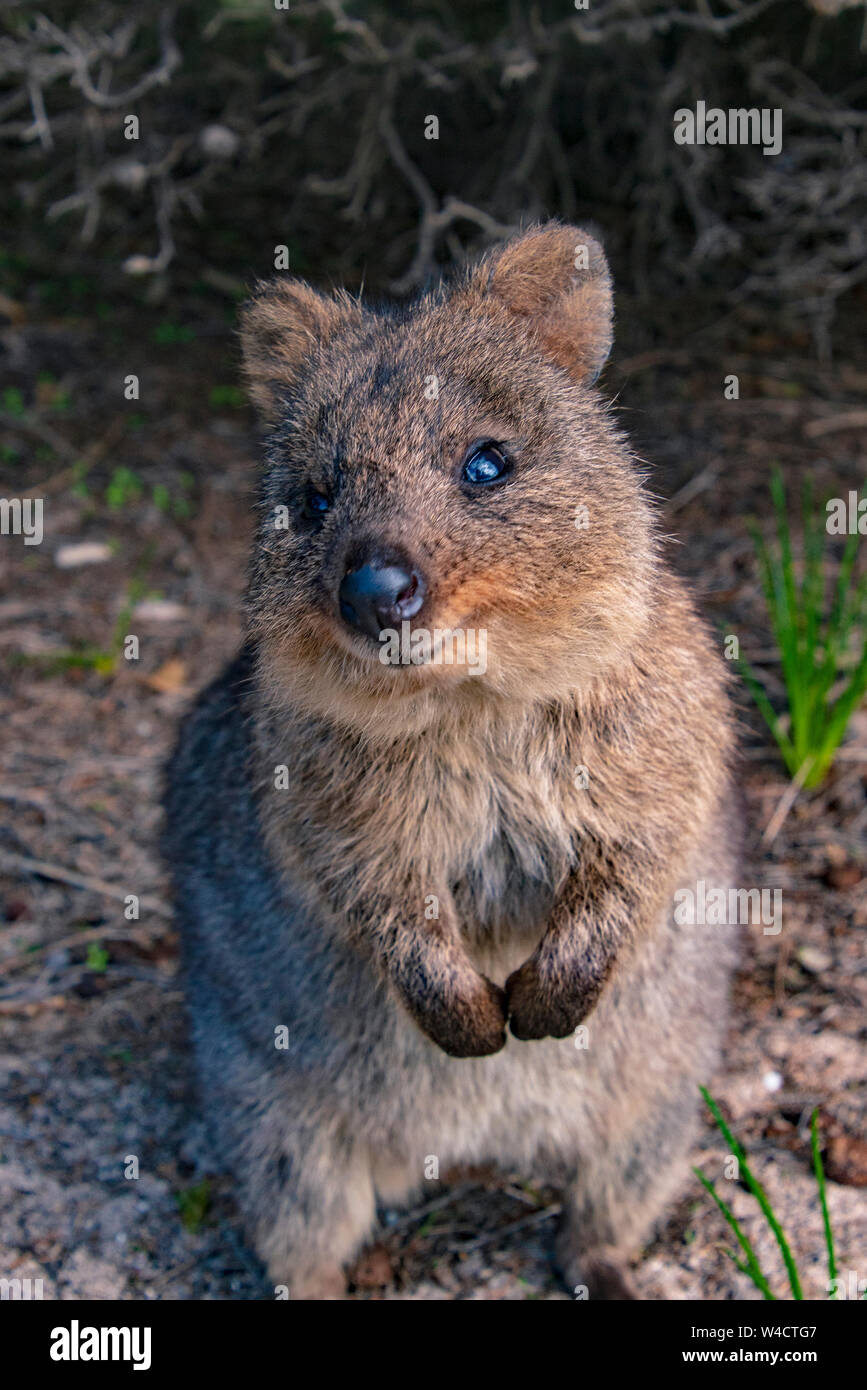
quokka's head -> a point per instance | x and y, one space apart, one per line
446 509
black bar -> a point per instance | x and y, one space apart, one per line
225 1338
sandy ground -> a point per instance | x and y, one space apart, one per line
93 1055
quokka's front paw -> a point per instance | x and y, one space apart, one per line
470 1022
547 1007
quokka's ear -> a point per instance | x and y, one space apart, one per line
556 277
283 323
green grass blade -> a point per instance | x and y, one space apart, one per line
813 592
823 1198
770 716
751 1265
790 614
766 573
837 719
758 1192
839 621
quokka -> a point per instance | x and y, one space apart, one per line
422 879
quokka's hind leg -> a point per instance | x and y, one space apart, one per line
310 1206
624 1181
304 1185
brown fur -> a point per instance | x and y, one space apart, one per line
407 783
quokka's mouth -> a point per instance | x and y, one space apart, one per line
444 650
460 648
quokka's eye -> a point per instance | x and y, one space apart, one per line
316 504
485 463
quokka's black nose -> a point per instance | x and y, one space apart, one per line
381 592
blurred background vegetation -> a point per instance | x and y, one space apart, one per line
305 127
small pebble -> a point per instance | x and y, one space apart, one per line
159 610
71 557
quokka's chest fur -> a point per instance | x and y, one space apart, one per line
487 807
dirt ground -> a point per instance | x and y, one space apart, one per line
93 1052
